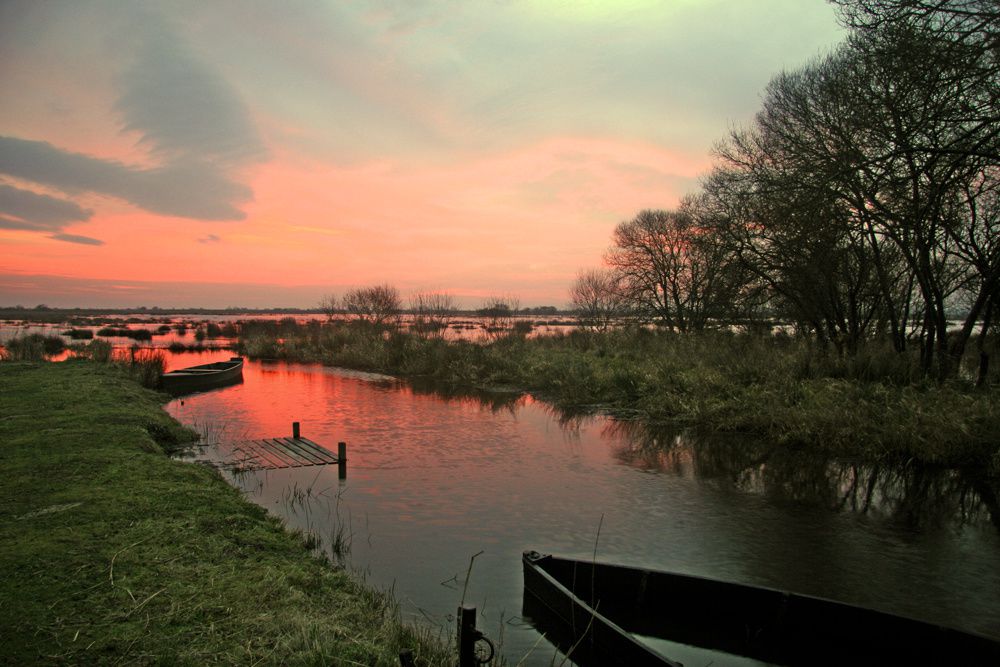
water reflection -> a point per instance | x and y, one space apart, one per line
493 400
910 496
437 476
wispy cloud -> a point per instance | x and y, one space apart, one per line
23 209
76 238
211 238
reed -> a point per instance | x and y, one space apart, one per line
33 347
99 350
143 364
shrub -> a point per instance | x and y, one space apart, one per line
80 334
33 347
134 334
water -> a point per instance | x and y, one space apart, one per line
459 327
434 480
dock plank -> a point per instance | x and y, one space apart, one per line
289 461
305 452
319 449
248 457
276 453
291 453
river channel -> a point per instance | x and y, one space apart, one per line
433 480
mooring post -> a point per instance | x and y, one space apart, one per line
342 460
295 430
467 636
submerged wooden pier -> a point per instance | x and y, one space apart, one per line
293 452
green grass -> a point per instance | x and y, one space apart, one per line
871 406
113 553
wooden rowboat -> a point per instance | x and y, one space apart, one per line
593 611
205 376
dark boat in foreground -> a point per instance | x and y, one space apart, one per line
205 376
592 610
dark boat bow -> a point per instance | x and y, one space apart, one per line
593 610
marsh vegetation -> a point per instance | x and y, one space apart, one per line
875 404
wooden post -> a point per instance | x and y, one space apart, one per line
467 636
342 460
406 658
295 430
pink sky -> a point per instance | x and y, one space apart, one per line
200 154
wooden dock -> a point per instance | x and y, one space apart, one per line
293 452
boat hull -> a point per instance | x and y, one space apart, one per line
203 377
591 610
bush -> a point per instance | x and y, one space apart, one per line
33 347
134 334
80 334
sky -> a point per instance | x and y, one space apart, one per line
257 154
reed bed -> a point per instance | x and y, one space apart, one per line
124 332
80 334
32 347
872 405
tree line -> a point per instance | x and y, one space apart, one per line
381 306
861 203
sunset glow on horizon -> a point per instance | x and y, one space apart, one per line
190 154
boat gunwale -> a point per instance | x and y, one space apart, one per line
534 561
805 622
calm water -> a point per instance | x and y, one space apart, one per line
434 480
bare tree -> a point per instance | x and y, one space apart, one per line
431 312
963 30
878 154
329 305
378 305
672 270
598 297
959 20
498 316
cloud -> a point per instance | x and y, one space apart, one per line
189 189
211 238
74 238
181 107
23 209
191 122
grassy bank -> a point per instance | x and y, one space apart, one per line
870 406
111 552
